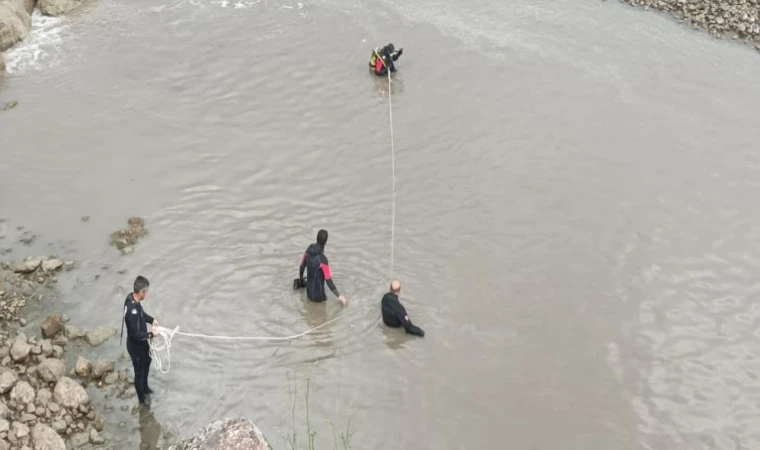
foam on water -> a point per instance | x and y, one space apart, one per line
39 50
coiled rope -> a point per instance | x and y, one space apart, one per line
160 345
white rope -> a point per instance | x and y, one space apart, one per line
162 341
393 174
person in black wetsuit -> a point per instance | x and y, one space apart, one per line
394 313
136 320
318 271
381 60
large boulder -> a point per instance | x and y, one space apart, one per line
70 394
45 438
227 434
57 7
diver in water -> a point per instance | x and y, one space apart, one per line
382 59
394 313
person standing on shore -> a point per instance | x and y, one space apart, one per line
318 271
394 313
138 335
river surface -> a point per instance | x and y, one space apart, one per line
577 221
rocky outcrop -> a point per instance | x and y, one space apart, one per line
739 19
228 434
15 23
57 7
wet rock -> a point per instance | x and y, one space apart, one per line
20 348
95 437
101 368
22 393
51 326
29 265
57 7
60 340
51 370
98 424
111 378
82 367
51 265
79 440
226 434
7 381
99 335
73 332
69 393
46 438
126 239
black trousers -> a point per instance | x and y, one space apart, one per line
140 354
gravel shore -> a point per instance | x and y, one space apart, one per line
735 19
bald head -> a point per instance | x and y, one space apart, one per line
395 286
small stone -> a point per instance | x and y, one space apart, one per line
60 340
30 408
123 424
36 350
5 426
22 322
111 378
73 332
4 351
4 411
20 348
99 335
125 408
7 381
59 426
40 411
19 430
85 218
51 265
54 407
28 418
51 370
101 368
98 424
79 440
29 265
44 396
82 367
57 351
51 326
95 437
127 250
22 393
47 347
65 318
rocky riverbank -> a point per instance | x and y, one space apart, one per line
16 19
44 403
736 19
